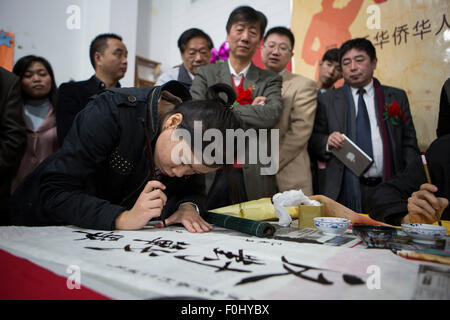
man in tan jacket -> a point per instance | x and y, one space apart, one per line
296 122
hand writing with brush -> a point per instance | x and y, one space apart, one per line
170 163
149 205
423 205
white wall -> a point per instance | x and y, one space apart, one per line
143 27
149 28
123 21
171 17
40 28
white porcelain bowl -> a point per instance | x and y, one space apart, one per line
333 226
424 233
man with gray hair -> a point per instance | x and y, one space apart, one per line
258 105
195 49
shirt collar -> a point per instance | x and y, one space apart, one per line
369 89
192 76
101 84
243 72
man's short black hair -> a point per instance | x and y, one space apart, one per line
247 14
99 44
331 55
283 31
190 34
361 44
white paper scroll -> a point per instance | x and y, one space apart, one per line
221 264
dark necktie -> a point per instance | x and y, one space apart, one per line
363 135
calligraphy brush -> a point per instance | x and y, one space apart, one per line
150 157
149 151
427 174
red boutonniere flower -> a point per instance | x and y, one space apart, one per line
244 96
394 113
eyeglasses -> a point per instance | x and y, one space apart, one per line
284 48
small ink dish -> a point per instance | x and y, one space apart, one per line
332 226
424 233
374 236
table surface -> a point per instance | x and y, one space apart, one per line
222 264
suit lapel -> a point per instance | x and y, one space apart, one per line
343 100
224 74
388 99
251 78
287 94
287 83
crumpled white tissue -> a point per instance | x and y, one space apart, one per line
289 199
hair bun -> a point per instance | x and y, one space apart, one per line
219 90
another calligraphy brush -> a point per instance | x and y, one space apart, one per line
427 174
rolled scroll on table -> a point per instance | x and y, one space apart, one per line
255 228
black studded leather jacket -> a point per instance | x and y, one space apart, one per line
103 165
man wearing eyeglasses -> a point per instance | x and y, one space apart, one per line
195 49
299 96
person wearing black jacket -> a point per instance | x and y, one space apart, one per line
116 169
108 55
408 198
13 136
443 126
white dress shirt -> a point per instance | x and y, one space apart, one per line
376 170
169 75
238 77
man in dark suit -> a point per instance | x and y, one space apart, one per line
245 29
409 197
12 136
108 56
329 71
377 118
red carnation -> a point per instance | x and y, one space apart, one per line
394 110
393 113
244 96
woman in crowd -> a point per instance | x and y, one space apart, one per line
39 97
